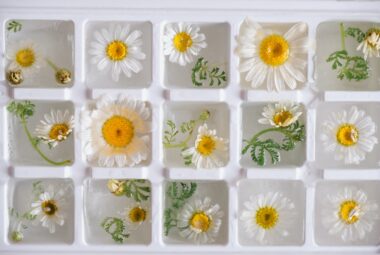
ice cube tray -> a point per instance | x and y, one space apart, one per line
158 91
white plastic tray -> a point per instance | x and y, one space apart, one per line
158 12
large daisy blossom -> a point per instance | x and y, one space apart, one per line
25 56
281 114
200 221
349 134
48 208
55 127
349 214
267 216
182 42
271 58
371 44
209 151
118 49
115 132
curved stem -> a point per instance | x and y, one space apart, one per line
52 65
275 129
33 143
181 144
342 35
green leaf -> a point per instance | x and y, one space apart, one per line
187 159
260 149
170 220
356 33
349 67
170 133
137 189
22 110
202 73
116 228
179 192
14 25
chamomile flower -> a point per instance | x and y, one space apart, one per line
267 216
272 58
115 132
47 209
118 49
56 127
371 44
200 221
182 42
349 134
281 114
349 214
25 56
136 214
210 151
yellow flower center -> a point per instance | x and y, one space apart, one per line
274 50
369 35
266 217
116 50
137 215
282 117
206 145
49 207
25 57
347 135
118 131
348 212
200 221
182 41
59 131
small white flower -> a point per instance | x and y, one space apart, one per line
349 214
136 214
25 56
350 135
200 221
210 151
55 127
272 58
371 44
281 114
119 49
115 132
48 209
267 216
182 41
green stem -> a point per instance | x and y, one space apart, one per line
275 129
342 36
61 163
52 65
181 144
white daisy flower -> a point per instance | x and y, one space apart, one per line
268 216
25 56
272 58
349 214
56 127
210 151
135 215
350 135
281 114
118 49
182 41
48 209
115 132
200 221
371 44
